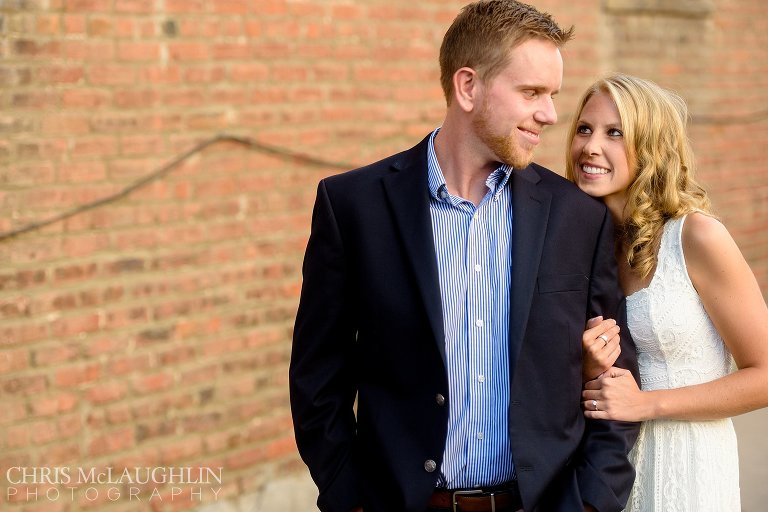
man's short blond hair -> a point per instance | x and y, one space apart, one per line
483 34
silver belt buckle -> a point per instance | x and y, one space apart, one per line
470 492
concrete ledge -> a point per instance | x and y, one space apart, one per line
290 494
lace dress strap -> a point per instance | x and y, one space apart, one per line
671 257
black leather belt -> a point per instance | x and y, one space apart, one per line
504 498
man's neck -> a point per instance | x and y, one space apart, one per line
464 168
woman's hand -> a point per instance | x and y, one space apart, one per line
601 346
616 396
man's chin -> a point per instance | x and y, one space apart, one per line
522 164
509 153
518 162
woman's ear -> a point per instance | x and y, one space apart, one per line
467 88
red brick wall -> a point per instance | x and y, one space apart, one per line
154 330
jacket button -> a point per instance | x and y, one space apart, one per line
430 466
440 399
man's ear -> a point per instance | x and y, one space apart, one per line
467 89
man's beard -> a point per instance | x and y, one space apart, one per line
505 147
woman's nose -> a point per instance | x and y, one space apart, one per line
591 147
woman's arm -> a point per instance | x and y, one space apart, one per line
732 298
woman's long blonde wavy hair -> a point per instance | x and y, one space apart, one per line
653 122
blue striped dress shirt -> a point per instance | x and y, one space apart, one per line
474 258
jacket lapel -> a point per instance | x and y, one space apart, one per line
408 194
530 206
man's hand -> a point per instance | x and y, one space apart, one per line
600 345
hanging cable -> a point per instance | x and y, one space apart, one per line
165 169
293 156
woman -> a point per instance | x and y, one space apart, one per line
693 304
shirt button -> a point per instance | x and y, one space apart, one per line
440 399
430 466
479 322
480 435
477 268
443 194
481 378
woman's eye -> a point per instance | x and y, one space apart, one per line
583 129
613 132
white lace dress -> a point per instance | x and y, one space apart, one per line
686 466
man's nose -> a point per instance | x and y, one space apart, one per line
547 114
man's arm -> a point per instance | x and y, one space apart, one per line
604 473
322 370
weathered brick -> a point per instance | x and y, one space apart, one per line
155 429
84 98
186 6
17 436
76 375
87 50
138 51
54 405
136 98
111 442
94 146
135 6
231 7
188 51
87 5
34 100
152 383
104 392
13 412
56 354
141 145
65 124
35 49
231 51
74 24
12 334
59 74
84 171
181 449
166 74
110 74
129 364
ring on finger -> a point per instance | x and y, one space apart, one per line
604 338
594 405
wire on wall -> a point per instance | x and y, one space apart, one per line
288 155
168 167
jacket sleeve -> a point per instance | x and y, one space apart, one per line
603 471
322 370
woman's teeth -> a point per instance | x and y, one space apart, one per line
594 170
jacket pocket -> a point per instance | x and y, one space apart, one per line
553 283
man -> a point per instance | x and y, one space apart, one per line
447 288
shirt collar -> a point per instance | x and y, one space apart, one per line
439 190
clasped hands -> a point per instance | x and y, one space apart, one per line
610 393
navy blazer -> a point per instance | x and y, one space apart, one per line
369 328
